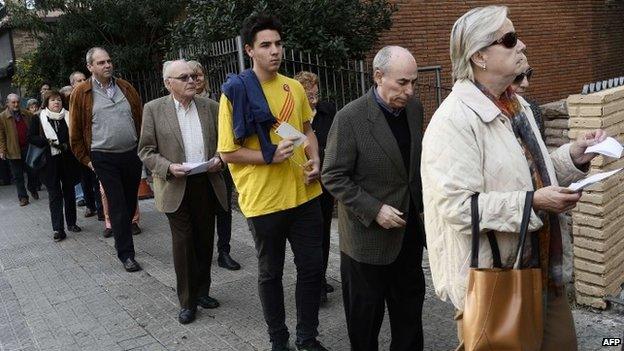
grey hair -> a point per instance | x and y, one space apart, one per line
381 61
71 76
474 31
195 66
89 55
66 90
12 95
31 102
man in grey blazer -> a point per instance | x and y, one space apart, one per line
182 128
372 168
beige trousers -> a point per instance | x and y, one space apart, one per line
559 331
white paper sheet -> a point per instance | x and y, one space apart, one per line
285 130
198 167
609 147
592 179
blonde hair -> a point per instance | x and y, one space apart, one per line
196 66
473 31
307 79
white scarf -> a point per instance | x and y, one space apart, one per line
48 130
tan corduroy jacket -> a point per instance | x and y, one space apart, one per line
81 115
469 147
9 143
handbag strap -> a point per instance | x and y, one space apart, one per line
474 213
497 263
524 226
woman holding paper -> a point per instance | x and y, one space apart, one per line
61 171
483 139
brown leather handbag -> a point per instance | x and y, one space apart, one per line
503 307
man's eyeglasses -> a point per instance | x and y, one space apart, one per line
185 77
509 40
528 74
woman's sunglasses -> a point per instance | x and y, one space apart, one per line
508 40
527 74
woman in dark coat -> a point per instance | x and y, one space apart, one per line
324 113
61 172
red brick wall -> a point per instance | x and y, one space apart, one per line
569 43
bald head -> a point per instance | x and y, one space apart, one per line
395 73
12 102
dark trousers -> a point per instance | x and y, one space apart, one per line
61 194
192 235
120 174
224 218
301 226
18 167
327 210
91 189
5 173
400 285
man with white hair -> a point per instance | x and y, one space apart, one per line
14 123
105 114
177 129
76 78
372 167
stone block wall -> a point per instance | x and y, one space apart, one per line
598 220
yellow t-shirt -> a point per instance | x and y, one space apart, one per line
265 189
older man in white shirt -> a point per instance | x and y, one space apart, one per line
177 129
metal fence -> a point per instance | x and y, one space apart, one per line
338 83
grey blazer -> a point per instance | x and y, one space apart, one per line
363 170
161 145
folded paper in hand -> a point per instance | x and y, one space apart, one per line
198 167
595 178
285 130
609 147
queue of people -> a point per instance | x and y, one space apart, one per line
397 191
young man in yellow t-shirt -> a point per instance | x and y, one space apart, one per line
278 196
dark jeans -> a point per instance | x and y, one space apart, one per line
192 237
327 210
91 189
224 218
61 195
120 174
400 285
301 226
18 167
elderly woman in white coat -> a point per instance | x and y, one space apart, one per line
483 139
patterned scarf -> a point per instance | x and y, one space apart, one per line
549 236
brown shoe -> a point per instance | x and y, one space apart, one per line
23 201
136 230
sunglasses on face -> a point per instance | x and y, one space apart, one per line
185 77
509 40
528 74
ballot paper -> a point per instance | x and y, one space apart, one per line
609 147
198 167
592 179
285 130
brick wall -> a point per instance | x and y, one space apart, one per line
598 220
569 42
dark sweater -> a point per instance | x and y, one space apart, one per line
400 129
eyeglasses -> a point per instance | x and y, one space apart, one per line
528 74
185 77
509 40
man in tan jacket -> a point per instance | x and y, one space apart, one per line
105 123
182 128
14 123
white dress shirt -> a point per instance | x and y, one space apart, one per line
192 136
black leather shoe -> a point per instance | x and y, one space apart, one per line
311 346
131 265
101 217
81 203
59 235
35 195
108 232
74 228
186 315
226 261
329 288
136 230
207 302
